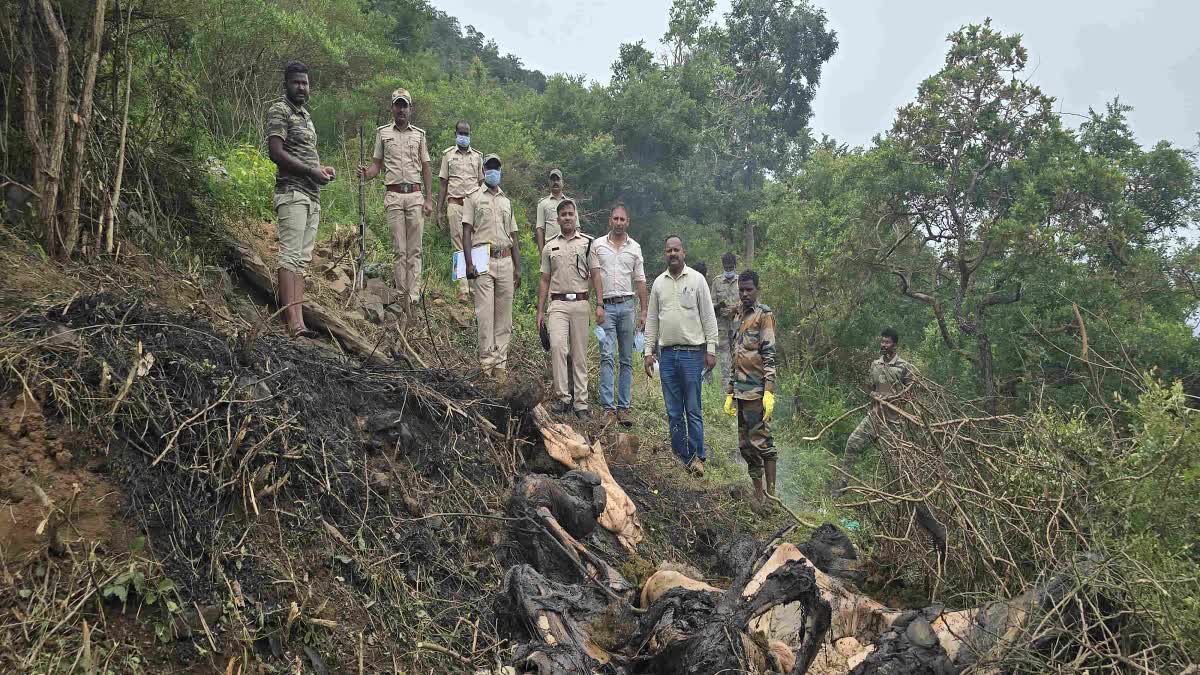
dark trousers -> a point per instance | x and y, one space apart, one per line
681 372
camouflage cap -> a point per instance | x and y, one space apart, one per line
488 158
402 94
556 172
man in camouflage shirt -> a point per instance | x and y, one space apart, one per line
890 377
292 146
751 385
726 303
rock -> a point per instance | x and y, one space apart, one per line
377 288
848 646
412 506
438 302
375 312
920 633
339 286
61 336
381 481
395 310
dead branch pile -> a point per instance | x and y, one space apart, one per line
1016 512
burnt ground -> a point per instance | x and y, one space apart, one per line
218 497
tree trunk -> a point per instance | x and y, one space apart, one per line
749 238
83 123
986 367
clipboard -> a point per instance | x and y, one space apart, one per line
480 255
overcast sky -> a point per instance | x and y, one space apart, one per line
1082 53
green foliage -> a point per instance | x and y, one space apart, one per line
243 189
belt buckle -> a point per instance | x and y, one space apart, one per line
570 296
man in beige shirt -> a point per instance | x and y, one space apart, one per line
624 278
461 174
546 225
681 334
402 154
487 218
569 266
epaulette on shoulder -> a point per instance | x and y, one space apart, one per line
557 236
765 308
543 199
381 127
449 150
416 128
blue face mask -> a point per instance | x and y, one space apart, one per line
729 274
464 141
491 177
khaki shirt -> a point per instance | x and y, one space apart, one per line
753 369
403 151
490 217
462 171
680 312
293 124
623 266
890 377
724 291
547 215
569 263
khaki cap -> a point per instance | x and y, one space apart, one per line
488 158
402 94
556 172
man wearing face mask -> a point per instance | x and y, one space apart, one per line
725 302
547 210
403 155
487 218
460 175
569 267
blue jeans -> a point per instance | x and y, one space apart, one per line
681 372
619 327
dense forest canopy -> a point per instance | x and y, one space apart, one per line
1029 265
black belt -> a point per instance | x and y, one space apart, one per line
685 348
404 188
618 300
570 297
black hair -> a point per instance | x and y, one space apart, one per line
294 66
890 333
701 268
619 205
460 123
563 203
669 237
729 258
748 275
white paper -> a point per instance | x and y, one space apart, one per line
479 255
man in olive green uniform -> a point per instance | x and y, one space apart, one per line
461 174
487 218
726 304
292 146
890 376
569 267
402 153
750 388
546 227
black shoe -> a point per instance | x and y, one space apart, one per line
583 413
560 407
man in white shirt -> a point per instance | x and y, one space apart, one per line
624 276
681 336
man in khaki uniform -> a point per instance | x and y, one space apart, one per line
461 174
546 227
569 266
487 218
726 305
402 153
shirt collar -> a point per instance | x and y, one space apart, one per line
577 233
295 108
682 272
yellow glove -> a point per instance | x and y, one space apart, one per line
730 407
768 404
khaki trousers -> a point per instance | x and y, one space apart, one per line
454 222
567 322
407 222
493 295
297 217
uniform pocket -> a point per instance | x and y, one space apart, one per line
687 299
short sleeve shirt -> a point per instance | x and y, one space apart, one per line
491 218
569 263
403 151
547 215
294 125
623 265
462 171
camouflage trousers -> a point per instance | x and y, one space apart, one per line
867 432
754 436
